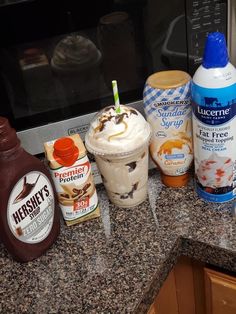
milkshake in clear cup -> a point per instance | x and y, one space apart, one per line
119 142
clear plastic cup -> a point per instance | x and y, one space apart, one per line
123 165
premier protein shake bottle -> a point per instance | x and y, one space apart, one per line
29 218
214 130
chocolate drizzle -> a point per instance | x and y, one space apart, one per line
132 111
131 166
130 194
26 190
102 123
118 118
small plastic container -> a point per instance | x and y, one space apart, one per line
119 143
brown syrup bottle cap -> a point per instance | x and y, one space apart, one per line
8 137
65 151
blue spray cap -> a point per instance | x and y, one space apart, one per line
215 52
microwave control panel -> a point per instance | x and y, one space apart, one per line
203 17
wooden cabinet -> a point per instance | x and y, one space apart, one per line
162 304
220 291
172 297
191 288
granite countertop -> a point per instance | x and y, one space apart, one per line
117 263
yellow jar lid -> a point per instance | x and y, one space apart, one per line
168 79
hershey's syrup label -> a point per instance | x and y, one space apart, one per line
31 207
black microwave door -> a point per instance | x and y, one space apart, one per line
165 34
13 94
57 59
32 93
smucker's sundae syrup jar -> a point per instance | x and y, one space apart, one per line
29 217
167 105
214 129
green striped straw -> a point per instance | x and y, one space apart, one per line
116 96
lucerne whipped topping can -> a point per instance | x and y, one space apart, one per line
214 123
167 105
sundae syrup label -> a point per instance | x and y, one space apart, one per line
30 208
214 112
74 182
170 115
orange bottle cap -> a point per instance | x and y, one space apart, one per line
65 151
175 181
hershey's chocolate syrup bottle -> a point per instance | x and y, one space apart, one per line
29 215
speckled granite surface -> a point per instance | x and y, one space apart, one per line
117 263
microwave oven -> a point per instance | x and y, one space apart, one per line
58 58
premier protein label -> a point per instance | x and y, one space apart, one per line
76 190
31 208
214 111
73 173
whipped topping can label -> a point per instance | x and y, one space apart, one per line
169 113
74 184
214 111
31 208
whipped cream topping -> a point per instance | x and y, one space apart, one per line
215 171
114 133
